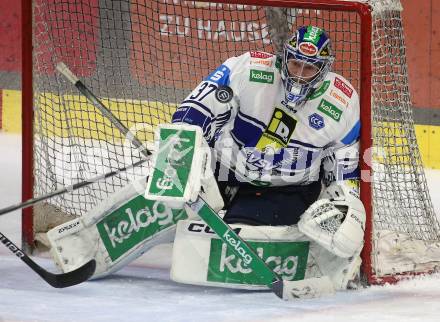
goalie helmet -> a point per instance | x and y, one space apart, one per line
307 58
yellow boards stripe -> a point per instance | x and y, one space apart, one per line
73 115
394 147
428 138
11 110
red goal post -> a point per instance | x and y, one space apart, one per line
125 51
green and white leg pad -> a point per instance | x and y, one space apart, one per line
201 258
116 232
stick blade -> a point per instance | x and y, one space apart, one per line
77 276
303 289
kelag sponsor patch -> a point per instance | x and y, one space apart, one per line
135 221
330 110
261 76
288 259
313 34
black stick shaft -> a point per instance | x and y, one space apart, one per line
62 280
63 190
71 77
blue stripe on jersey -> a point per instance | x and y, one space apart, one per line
191 115
240 144
353 135
202 106
308 145
220 76
246 132
224 116
251 119
355 174
207 131
221 120
309 159
178 115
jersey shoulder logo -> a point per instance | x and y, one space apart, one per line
224 94
263 62
340 98
220 76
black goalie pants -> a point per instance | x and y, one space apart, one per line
271 206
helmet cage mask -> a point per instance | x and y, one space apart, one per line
297 87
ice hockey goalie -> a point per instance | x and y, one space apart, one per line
282 139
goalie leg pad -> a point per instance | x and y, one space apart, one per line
201 258
116 232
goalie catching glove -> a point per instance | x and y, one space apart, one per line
336 221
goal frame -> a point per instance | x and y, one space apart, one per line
361 8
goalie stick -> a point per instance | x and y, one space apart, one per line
286 290
72 187
62 280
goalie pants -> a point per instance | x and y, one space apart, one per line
271 206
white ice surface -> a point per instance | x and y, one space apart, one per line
144 292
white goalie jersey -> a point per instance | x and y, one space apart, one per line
259 137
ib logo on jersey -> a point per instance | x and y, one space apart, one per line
316 121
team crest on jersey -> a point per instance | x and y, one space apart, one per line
224 94
278 132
